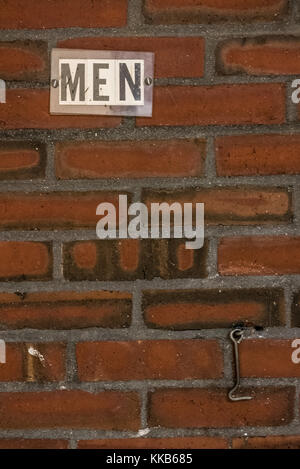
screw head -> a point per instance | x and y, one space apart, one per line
148 81
54 83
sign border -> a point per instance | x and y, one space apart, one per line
139 111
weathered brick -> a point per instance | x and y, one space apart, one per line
29 109
259 255
106 410
33 362
132 259
22 160
192 408
296 311
251 155
25 260
192 442
33 444
56 210
193 11
267 442
149 359
135 159
174 56
24 60
260 56
202 309
217 105
268 358
231 205
65 310
62 14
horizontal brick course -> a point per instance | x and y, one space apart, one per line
260 56
257 359
251 155
192 408
164 359
217 105
62 14
25 260
230 206
138 159
267 442
33 444
22 160
132 259
29 362
60 210
24 60
202 309
107 410
196 442
191 11
260 255
65 310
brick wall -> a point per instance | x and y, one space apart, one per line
125 343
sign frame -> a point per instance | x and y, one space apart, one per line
104 110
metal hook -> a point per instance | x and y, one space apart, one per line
236 335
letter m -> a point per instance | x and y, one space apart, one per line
72 83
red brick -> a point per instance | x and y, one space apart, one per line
29 109
260 56
202 309
24 260
24 60
192 442
267 442
185 258
231 205
217 105
132 259
21 365
160 359
136 159
106 410
250 155
298 111
33 444
193 11
211 408
22 160
260 255
85 255
296 310
65 310
62 14
268 358
60 210
174 56
129 254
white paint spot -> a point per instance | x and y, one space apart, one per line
35 353
143 432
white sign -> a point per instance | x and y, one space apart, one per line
2 91
101 82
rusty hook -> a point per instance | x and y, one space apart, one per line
236 336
